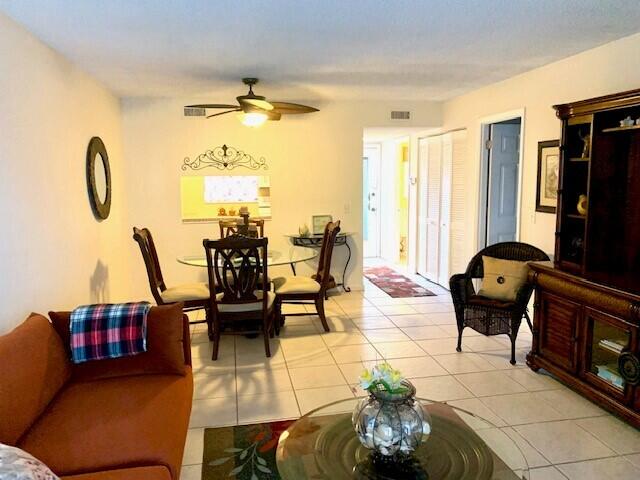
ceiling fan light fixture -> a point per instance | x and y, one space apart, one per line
253 119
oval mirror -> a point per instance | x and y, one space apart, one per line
99 178
100 175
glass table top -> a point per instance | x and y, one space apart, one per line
462 446
286 256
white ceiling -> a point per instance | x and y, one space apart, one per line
324 49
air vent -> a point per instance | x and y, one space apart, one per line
400 115
194 112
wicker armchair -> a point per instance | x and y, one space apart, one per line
487 316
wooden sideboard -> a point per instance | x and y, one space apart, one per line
587 335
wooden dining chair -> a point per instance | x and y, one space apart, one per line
194 295
238 301
299 289
230 227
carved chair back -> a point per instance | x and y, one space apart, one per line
151 261
235 266
230 227
323 274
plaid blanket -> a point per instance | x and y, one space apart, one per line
108 331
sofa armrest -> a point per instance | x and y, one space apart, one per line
168 347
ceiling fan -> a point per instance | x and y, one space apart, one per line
256 109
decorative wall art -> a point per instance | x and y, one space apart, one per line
224 158
548 170
98 178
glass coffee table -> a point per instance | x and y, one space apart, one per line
462 446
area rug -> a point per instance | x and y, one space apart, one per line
394 284
243 452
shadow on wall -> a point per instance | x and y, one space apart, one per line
99 283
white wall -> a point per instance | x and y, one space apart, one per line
315 166
53 253
607 69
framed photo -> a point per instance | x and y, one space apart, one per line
548 173
318 222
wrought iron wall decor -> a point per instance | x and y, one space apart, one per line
224 158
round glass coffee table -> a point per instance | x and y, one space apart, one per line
462 446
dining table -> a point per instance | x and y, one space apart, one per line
291 256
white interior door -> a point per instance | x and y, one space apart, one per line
503 183
434 160
458 211
445 210
371 200
421 259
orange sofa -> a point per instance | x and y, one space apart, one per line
117 419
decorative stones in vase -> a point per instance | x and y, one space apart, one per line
390 421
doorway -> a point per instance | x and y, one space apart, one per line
371 158
500 181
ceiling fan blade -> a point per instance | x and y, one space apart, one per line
274 116
248 103
212 105
292 108
222 113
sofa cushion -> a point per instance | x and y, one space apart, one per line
164 347
284 285
114 423
138 473
33 368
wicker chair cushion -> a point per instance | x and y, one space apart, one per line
480 301
502 278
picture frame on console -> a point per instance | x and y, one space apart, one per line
318 222
548 170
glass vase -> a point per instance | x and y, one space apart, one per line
391 424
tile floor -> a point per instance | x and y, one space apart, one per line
562 435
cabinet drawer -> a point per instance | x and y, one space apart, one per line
558 321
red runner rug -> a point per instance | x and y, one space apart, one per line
394 284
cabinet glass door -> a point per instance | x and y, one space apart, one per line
608 339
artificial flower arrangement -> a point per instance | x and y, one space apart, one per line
390 420
383 377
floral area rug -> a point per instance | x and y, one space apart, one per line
243 452
394 284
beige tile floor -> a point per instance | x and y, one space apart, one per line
562 435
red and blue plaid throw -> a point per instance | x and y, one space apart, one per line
108 331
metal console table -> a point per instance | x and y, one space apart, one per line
315 241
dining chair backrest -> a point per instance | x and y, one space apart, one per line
230 227
151 262
235 266
323 274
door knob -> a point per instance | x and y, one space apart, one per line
372 209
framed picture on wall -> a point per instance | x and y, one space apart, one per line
318 222
548 172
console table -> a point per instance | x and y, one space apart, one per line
315 241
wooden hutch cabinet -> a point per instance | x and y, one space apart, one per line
587 303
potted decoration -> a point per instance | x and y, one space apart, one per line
390 421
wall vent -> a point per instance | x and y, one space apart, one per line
194 112
400 115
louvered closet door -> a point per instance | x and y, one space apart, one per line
434 158
457 215
445 209
422 206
